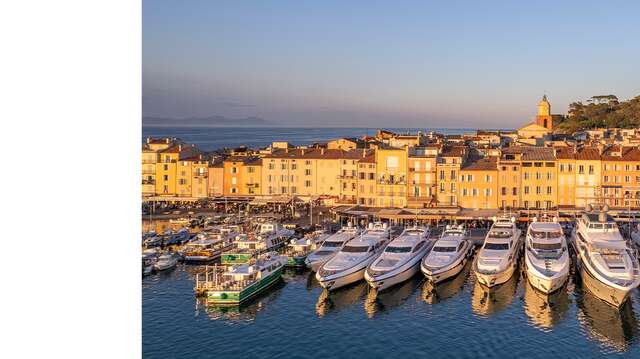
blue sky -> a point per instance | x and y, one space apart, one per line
385 64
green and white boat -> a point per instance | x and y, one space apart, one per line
244 281
298 249
270 236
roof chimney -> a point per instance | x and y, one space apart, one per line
322 150
364 153
148 139
179 147
302 151
167 139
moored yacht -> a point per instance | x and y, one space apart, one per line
400 260
546 256
498 258
331 246
207 247
349 264
448 255
607 264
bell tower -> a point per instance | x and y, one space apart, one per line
544 118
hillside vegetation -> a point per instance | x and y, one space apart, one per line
601 111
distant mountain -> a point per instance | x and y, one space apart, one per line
212 121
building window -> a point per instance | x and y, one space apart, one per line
487 178
581 169
514 191
271 166
165 167
503 191
487 192
165 177
294 166
372 176
283 189
549 189
591 169
538 190
474 192
307 172
526 189
464 191
294 190
283 166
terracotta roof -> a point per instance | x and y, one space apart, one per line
453 151
619 153
171 149
484 164
316 153
588 154
531 153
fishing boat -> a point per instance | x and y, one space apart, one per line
331 246
498 258
298 249
167 261
149 259
208 246
607 264
153 240
349 264
400 260
244 281
180 237
269 237
546 256
448 255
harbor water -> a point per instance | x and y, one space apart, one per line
297 318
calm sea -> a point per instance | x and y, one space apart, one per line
211 138
460 319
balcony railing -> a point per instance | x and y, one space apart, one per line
148 182
149 161
200 174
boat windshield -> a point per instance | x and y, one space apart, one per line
602 226
398 249
414 232
546 246
332 244
496 246
546 234
444 249
500 234
355 249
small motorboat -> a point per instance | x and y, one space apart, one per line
166 261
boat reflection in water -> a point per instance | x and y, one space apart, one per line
245 312
340 299
487 301
545 310
377 302
437 293
614 328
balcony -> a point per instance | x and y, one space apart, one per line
146 162
253 185
200 174
349 177
148 172
148 182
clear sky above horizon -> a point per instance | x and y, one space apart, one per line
385 64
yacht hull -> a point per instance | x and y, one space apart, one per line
609 294
385 281
337 281
493 279
546 284
437 276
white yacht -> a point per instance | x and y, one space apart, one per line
298 249
349 264
448 255
331 246
167 261
546 256
400 260
608 266
499 255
